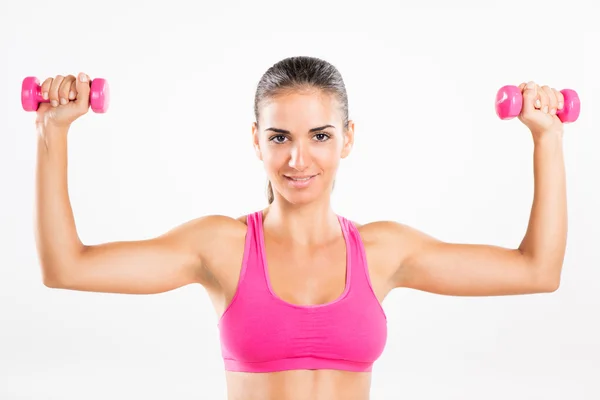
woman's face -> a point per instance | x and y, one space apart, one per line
301 139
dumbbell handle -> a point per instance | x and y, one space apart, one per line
509 102
31 94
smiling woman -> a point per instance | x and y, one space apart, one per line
323 97
297 287
299 179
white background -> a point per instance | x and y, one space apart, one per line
176 144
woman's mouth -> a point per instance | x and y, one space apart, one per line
300 181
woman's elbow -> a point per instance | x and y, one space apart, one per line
549 282
51 276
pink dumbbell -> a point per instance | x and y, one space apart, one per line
509 102
31 95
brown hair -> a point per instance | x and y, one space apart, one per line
300 73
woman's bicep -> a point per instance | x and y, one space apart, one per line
170 261
428 264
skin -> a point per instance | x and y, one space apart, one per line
304 243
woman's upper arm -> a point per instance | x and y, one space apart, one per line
177 258
422 262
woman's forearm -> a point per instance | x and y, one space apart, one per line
55 233
546 237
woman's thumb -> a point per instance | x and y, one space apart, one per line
83 91
530 96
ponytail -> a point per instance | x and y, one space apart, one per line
270 196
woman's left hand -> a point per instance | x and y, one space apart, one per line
540 104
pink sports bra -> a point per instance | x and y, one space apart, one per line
260 332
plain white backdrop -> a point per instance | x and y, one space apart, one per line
176 144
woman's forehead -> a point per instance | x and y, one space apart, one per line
300 111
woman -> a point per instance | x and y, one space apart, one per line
297 287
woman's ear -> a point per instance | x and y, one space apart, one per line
256 141
348 139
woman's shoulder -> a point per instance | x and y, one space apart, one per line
389 236
209 232
220 240
380 229
220 226
218 223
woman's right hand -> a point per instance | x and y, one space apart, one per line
69 99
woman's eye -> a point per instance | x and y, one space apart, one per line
321 137
278 138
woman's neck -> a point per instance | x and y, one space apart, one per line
307 224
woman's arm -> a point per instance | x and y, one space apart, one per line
174 259
534 266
